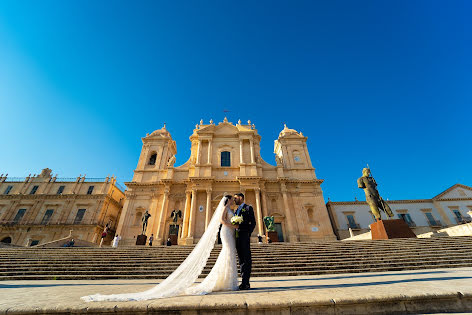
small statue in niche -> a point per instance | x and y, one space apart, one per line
145 219
171 161
175 215
278 160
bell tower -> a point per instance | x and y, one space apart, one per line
157 152
291 153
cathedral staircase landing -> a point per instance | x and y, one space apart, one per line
276 259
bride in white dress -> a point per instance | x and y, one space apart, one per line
222 277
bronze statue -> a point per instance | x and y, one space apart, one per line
145 219
171 161
372 197
269 224
175 215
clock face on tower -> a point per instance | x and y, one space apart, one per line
296 158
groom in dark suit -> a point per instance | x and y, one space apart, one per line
243 239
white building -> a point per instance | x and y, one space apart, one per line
451 207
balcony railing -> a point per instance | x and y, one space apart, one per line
435 223
463 220
354 226
68 222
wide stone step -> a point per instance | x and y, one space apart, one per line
265 260
270 274
256 267
277 259
268 256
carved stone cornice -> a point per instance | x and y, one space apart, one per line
388 202
177 195
201 179
51 196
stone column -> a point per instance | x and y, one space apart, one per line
193 209
124 217
442 213
288 215
11 211
251 145
199 151
209 151
186 214
307 155
241 151
265 211
154 220
208 208
162 217
260 228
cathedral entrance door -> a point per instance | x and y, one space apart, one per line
173 234
280 233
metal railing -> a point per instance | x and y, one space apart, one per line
94 179
354 226
120 187
15 179
463 220
67 222
435 223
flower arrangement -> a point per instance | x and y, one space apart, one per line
237 219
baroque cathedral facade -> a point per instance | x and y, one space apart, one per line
225 159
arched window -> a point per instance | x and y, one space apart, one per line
225 158
152 159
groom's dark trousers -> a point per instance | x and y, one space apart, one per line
243 246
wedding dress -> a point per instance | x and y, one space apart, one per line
222 277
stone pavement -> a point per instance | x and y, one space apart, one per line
418 291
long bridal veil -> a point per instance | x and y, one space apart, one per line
184 276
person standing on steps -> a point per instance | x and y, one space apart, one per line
151 239
116 239
243 239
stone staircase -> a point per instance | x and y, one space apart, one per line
276 259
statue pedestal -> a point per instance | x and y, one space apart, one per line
273 236
387 229
141 239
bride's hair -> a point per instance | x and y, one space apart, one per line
228 197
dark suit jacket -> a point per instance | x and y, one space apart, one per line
249 221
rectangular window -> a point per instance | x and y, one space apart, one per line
19 215
406 217
432 221
90 190
458 215
33 190
7 191
225 158
79 216
60 190
47 216
352 222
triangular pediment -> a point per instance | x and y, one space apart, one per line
458 191
226 129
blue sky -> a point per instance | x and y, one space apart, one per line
381 82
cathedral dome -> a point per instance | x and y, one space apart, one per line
287 132
163 132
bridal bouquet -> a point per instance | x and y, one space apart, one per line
237 219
